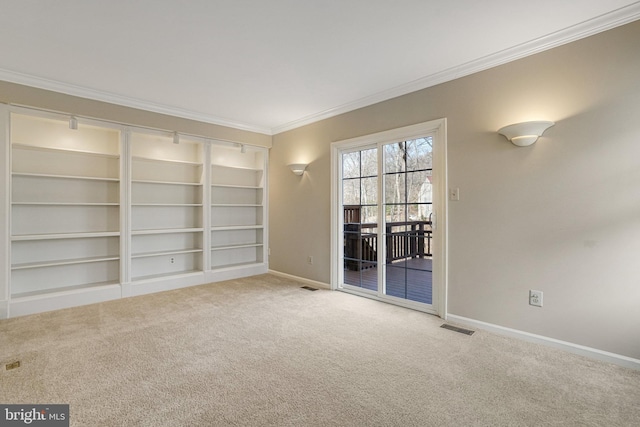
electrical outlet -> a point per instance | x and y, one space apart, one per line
535 298
310 260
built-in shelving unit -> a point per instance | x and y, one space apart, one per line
237 208
106 211
166 203
65 206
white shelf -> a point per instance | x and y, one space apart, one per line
162 276
242 168
248 245
52 236
63 204
247 187
54 263
237 265
146 181
237 227
166 204
168 252
166 231
63 150
235 205
63 289
55 176
156 160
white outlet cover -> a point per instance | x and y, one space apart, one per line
535 298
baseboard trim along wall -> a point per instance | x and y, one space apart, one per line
4 309
23 306
581 350
302 280
593 353
40 303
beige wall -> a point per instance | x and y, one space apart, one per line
11 93
561 216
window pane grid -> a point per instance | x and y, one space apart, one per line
412 170
360 206
408 205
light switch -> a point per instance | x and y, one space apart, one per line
454 194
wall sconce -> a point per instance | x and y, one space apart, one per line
73 123
526 133
298 168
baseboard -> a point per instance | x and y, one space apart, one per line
593 353
23 306
232 273
166 283
301 279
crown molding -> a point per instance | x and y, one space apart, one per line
582 30
125 101
593 26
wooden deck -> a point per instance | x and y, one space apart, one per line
408 279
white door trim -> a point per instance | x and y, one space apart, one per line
437 128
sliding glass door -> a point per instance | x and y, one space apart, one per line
408 212
386 217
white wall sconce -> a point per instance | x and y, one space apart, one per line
298 168
526 133
73 123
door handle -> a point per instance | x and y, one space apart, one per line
432 220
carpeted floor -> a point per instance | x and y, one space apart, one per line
262 351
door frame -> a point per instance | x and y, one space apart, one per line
437 128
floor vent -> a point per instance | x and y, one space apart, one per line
309 288
13 365
456 329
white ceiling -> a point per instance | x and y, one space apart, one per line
270 66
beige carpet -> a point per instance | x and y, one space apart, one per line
263 352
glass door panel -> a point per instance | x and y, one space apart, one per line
360 209
408 207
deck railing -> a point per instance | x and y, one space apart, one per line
360 247
409 239
403 240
